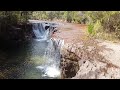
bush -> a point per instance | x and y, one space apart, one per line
104 22
91 29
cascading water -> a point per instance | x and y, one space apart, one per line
39 31
52 53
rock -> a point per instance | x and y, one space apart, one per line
88 63
68 68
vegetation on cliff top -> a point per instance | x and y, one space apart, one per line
101 24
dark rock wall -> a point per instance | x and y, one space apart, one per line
19 32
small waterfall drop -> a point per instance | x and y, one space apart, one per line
39 31
52 54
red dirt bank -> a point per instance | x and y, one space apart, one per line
71 33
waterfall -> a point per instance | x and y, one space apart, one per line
52 54
39 31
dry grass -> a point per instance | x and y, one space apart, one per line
107 36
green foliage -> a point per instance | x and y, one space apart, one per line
91 29
98 21
98 27
69 16
105 21
10 22
13 17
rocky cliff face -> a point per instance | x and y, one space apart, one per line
69 65
80 62
97 70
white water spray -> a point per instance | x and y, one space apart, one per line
52 54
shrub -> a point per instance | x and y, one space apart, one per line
91 29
